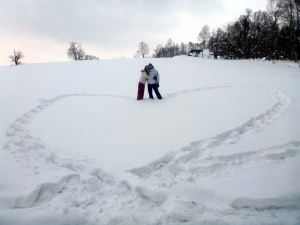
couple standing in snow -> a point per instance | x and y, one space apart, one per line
150 75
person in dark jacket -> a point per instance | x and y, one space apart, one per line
154 82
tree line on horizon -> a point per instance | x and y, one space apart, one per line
273 34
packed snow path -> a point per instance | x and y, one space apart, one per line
86 189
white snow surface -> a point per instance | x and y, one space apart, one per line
221 147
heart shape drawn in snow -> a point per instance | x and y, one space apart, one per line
120 133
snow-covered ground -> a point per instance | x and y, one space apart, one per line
222 147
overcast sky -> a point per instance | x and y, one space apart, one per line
42 29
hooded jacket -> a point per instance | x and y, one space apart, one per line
153 72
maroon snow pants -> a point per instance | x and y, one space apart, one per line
141 89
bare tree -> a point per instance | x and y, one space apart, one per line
288 14
75 51
182 49
204 35
274 30
157 51
91 57
190 46
143 49
15 58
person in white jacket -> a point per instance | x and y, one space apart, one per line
154 82
143 79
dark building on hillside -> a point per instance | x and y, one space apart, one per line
195 52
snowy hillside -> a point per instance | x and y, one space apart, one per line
221 147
